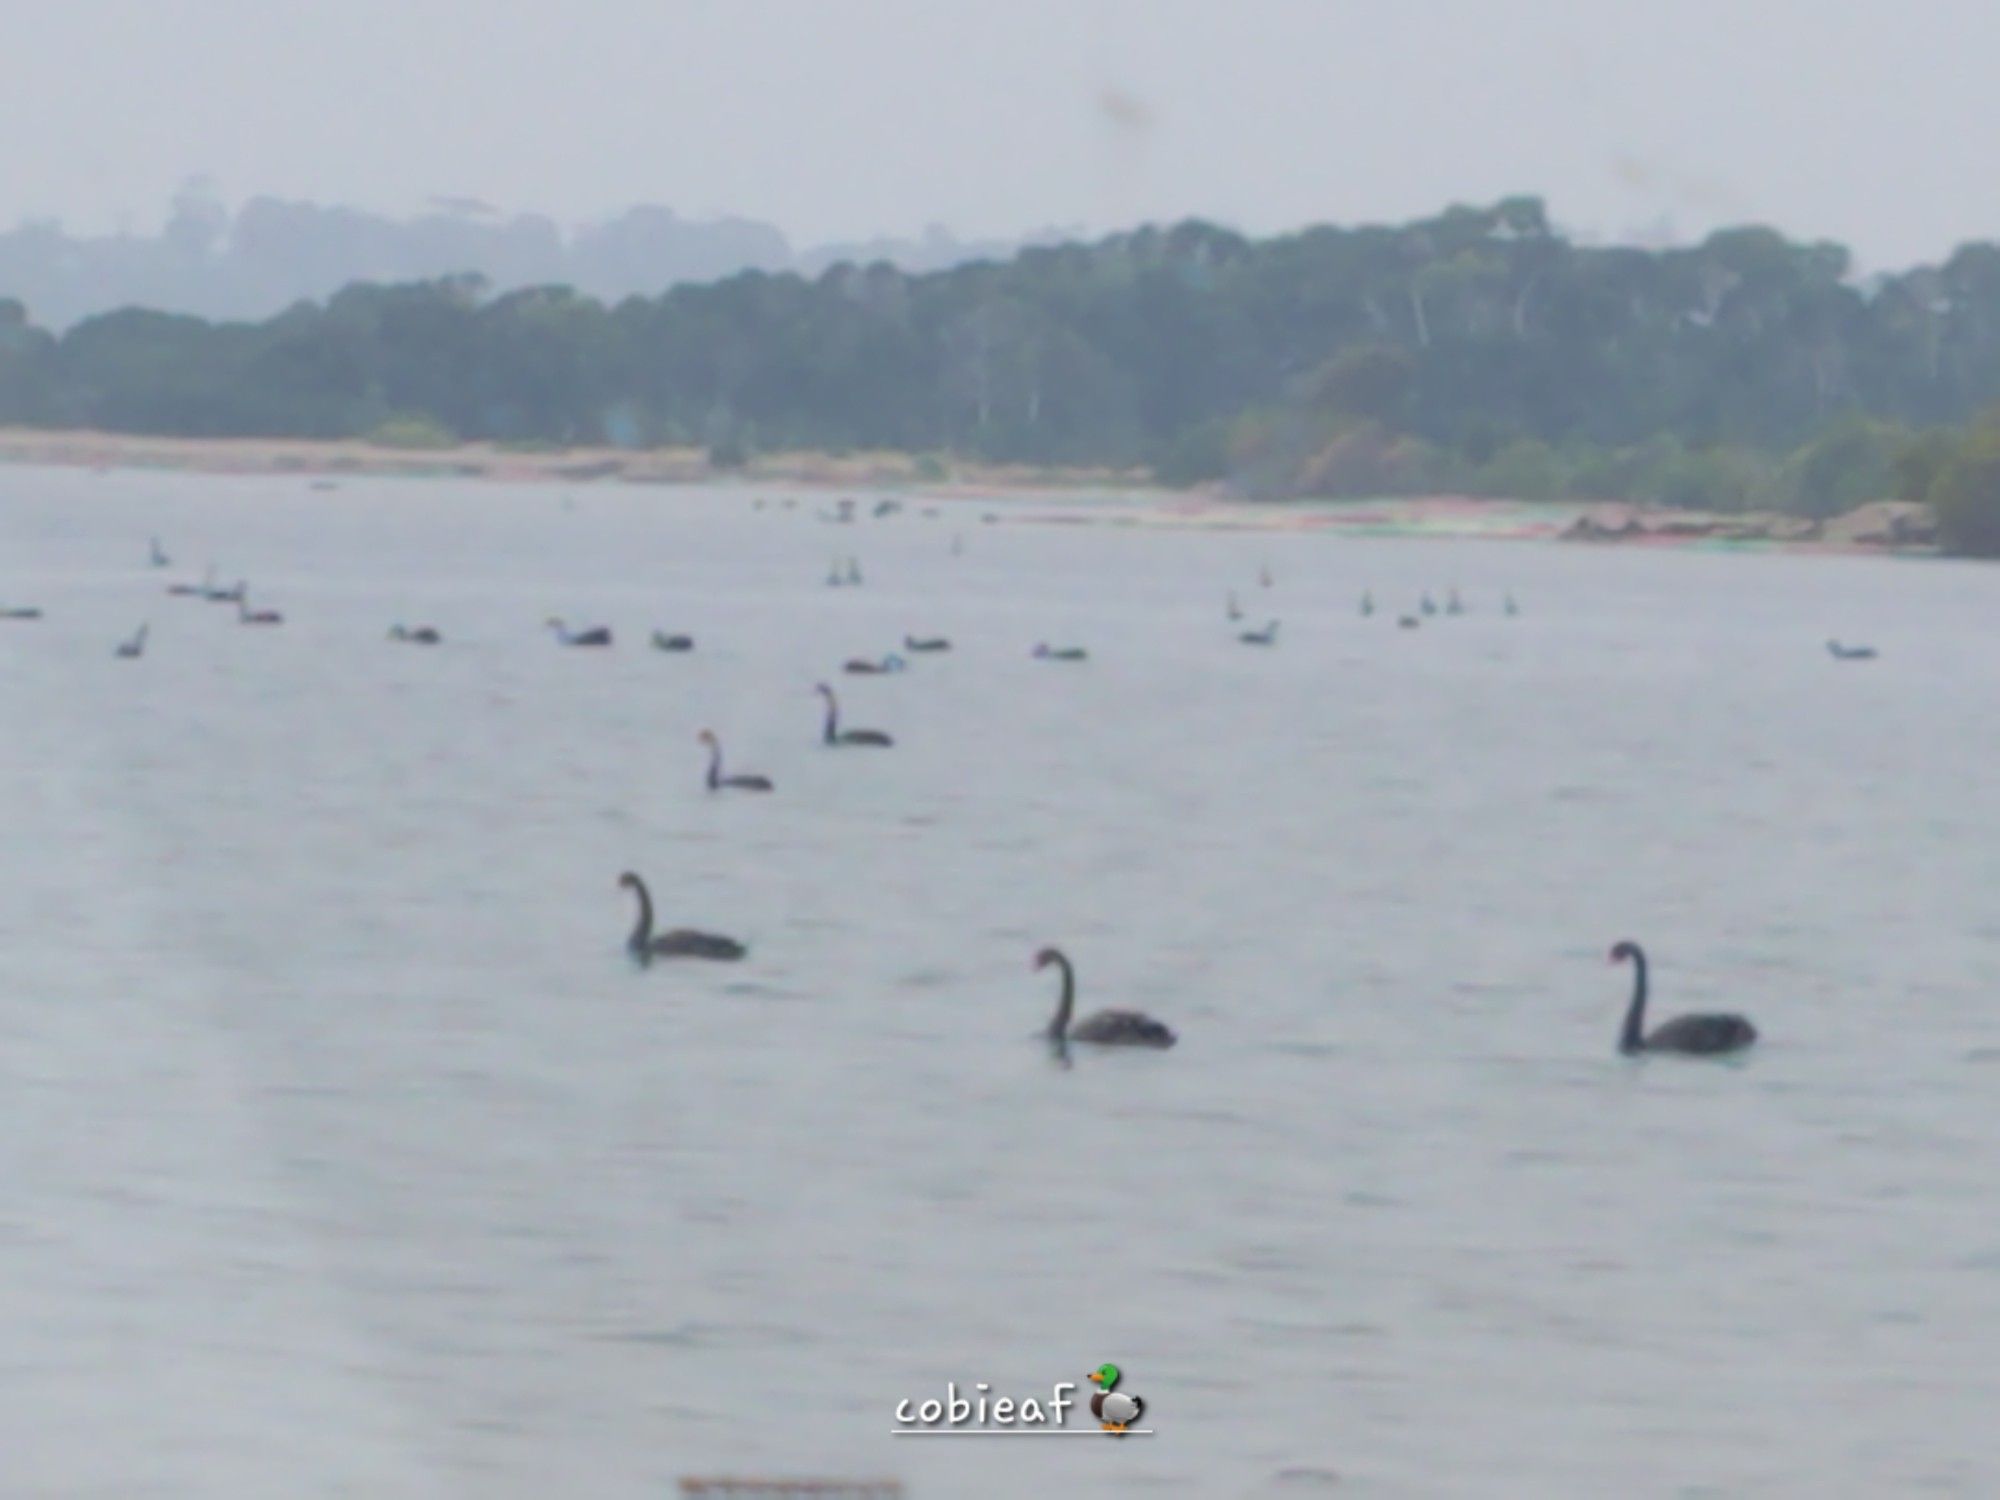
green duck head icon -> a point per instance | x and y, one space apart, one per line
1106 1376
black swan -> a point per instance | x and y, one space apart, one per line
195 590
833 578
215 595
597 635
716 780
853 579
1231 609
1367 605
135 648
1426 606
1511 607
835 735
1850 653
27 613
159 558
862 667
664 642
1408 622
1699 1034
245 615
1106 1028
683 942
926 643
423 635
1268 636
1046 652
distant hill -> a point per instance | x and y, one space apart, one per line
1478 351
260 259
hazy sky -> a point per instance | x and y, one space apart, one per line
1874 123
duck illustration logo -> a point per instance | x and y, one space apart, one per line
1113 1408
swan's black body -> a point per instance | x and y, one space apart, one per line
683 942
597 635
664 642
1700 1035
423 635
20 614
926 643
860 666
1268 636
1046 652
245 615
135 648
717 781
1105 1028
833 734
1850 653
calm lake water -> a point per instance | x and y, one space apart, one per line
345 1154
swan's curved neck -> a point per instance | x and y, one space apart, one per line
1633 1037
1059 1027
832 720
642 930
714 765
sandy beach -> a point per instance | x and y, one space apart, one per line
333 458
1025 492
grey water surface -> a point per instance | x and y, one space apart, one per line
343 1153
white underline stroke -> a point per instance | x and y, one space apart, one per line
1017 1432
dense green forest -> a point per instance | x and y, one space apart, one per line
1478 351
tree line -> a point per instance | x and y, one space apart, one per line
1476 351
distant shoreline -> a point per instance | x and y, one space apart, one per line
356 458
1090 495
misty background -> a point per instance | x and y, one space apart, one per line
225 157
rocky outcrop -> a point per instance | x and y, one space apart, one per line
1606 523
1882 523
1886 523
